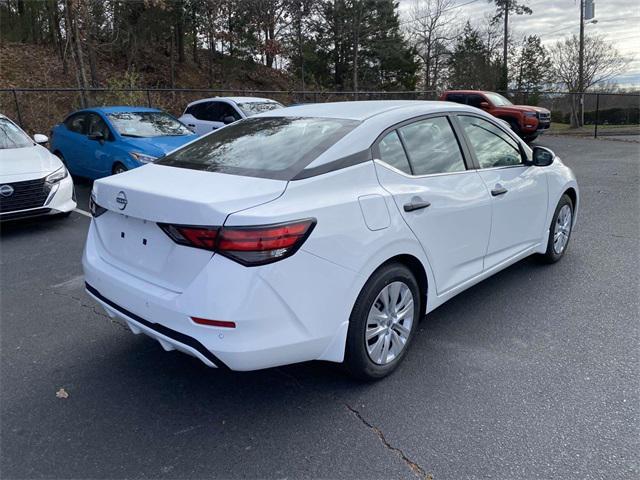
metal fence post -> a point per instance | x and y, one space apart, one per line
595 128
15 99
148 98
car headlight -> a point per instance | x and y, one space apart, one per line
143 157
530 114
56 176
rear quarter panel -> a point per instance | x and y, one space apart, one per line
340 238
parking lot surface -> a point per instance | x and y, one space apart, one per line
533 373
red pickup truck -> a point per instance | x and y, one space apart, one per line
527 121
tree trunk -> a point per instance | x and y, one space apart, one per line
505 68
79 53
194 32
179 32
270 34
356 46
172 63
211 52
70 38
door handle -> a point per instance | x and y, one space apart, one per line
498 190
416 204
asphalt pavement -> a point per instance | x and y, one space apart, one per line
533 373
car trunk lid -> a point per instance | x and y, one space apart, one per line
136 201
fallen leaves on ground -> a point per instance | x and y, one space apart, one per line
62 393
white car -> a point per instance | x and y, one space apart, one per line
33 181
321 232
204 116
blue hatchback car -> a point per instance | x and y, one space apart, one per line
101 141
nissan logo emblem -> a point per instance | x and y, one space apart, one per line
6 190
121 200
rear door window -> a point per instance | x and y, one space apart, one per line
392 152
456 97
432 147
266 147
475 100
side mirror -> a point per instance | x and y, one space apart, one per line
228 119
484 105
542 157
40 139
99 136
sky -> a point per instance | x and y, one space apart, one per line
618 21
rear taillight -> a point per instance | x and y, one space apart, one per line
250 246
95 209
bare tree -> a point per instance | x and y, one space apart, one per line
503 9
602 62
430 28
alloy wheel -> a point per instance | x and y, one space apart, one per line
562 229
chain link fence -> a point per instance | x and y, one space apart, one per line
39 109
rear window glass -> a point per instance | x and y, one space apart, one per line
268 147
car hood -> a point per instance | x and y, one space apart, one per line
158 146
525 108
18 164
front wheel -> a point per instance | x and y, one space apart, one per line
560 230
383 322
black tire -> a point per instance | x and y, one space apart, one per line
357 360
530 138
64 214
118 168
551 255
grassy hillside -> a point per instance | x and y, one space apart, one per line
34 66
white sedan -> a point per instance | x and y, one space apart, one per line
321 232
204 116
33 181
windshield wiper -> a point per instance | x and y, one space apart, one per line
132 135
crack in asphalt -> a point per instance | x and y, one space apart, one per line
92 308
415 468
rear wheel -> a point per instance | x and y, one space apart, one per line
560 230
118 168
383 322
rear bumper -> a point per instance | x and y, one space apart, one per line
168 338
281 311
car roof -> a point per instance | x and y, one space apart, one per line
374 117
118 109
467 91
235 100
363 110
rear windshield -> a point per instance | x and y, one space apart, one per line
267 147
147 124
